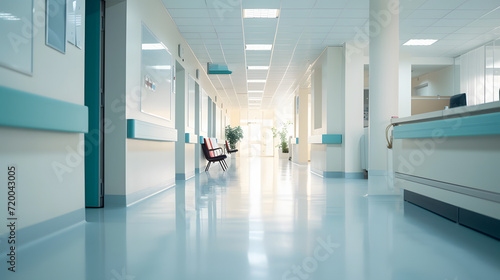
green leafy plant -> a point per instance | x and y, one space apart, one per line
233 135
282 134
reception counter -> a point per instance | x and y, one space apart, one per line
449 162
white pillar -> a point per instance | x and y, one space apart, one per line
353 100
304 125
404 85
384 75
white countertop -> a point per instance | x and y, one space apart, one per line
458 112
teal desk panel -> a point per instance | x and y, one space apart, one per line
487 124
326 139
332 138
27 110
142 130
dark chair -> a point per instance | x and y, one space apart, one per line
228 150
213 155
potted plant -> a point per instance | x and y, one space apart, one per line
282 134
233 135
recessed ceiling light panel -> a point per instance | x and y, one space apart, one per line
256 81
261 13
258 47
420 42
258 67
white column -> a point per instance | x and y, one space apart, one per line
353 100
404 85
303 125
180 122
384 76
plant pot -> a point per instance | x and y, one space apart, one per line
283 155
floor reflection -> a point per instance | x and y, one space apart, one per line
264 218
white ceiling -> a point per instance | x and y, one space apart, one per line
217 33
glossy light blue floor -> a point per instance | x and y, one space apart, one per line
263 219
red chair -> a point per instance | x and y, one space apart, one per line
229 151
213 155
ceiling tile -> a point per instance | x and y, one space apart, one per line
350 22
195 28
228 28
192 21
261 4
192 4
466 14
354 13
294 13
297 4
452 22
484 4
230 35
485 22
189 13
440 29
428 14
328 4
419 22
442 4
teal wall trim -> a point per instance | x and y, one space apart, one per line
191 138
333 174
487 124
354 175
326 139
337 174
40 230
332 138
148 131
297 140
26 110
93 141
202 139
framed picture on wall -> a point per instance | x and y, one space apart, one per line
55 25
157 76
16 31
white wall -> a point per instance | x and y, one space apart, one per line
327 83
132 159
43 194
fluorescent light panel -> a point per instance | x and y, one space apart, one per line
256 81
258 47
258 67
261 13
420 42
255 91
8 16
